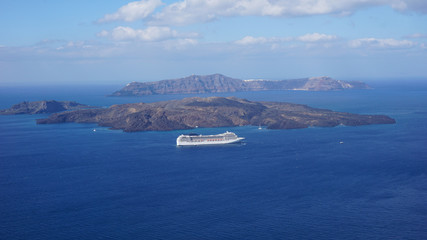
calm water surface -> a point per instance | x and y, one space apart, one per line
65 181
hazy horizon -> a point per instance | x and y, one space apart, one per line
372 82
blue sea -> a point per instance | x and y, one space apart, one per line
66 181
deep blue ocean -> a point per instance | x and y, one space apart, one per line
66 181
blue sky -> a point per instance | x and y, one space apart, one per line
115 42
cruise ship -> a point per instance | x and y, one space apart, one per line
194 139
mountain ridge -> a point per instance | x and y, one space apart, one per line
40 107
218 83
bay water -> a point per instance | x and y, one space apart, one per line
67 181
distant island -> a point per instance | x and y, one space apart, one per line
217 83
40 107
212 112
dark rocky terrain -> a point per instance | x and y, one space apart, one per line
212 112
40 107
219 83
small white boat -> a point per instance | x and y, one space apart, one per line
194 139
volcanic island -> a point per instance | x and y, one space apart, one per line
212 112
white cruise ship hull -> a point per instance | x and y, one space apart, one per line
195 140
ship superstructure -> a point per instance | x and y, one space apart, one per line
193 139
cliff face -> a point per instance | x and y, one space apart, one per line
220 83
192 84
327 84
212 112
40 107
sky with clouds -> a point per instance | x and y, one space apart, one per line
115 42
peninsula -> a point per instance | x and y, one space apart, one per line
217 83
40 107
212 112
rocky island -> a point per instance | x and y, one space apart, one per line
217 83
212 112
40 107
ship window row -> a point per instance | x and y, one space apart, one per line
202 140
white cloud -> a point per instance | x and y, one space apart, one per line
417 35
248 40
103 33
150 34
316 37
194 11
310 37
381 43
133 11
73 45
419 6
180 44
